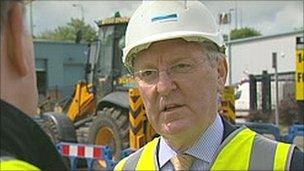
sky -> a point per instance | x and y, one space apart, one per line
268 17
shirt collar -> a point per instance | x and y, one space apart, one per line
202 149
165 152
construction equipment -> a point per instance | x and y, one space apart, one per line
227 108
97 113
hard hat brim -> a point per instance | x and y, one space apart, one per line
131 51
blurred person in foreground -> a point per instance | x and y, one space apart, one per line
24 145
176 54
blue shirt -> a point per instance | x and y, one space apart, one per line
204 150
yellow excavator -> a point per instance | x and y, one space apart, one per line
98 111
106 108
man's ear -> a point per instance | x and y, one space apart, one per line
16 36
222 73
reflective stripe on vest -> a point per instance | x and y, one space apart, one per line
246 150
282 162
14 164
243 149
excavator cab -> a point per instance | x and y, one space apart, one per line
109 65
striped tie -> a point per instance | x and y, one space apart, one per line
182 161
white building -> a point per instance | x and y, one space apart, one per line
253 55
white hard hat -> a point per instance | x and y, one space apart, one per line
162 20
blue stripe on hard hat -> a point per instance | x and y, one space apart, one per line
164 17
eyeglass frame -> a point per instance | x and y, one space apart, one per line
172 70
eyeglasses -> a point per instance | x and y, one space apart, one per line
177 70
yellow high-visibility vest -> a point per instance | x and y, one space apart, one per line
14 164
243 149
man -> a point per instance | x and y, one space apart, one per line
177 57
24 146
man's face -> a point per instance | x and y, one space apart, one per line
182 99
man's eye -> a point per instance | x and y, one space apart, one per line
147 73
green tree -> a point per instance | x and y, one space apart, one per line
243 33
299 28
76 30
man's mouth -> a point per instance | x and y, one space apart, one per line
171 107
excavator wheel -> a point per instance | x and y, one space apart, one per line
110 128
58 127
49 127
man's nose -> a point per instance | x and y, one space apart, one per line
165 84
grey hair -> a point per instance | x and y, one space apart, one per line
212 51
